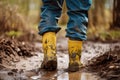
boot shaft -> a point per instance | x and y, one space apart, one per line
74 50
49 43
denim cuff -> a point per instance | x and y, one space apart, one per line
49 29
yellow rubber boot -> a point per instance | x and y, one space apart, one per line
49 49
74 50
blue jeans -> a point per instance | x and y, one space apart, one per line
78 17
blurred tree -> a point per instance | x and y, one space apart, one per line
116 14
24 5
39 5
97 14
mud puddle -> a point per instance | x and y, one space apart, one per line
28 68
43 75
61 75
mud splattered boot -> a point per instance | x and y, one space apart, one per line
49 48
74 50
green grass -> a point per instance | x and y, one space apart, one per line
104 35
14 33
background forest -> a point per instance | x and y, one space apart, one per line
21 17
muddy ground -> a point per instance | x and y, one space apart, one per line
107 65
22 60
12 50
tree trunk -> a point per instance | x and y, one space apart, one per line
116 14
99 13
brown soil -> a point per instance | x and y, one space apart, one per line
11 50
107 65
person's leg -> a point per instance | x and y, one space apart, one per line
76 30
51 11
78 18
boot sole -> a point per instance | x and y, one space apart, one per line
74 67
50 65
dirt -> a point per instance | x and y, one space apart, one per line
100 62
12 50
107 65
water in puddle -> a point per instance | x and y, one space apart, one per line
54 75
77 76
60 75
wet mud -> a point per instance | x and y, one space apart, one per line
12 50
100 59
107 65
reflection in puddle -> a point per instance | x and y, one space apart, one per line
61 75
77 76
64 76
